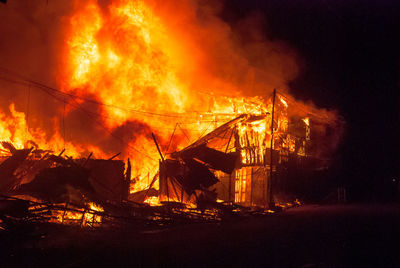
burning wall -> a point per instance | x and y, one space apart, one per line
239 153
120 70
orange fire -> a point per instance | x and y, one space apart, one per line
79 216
148 66
130 59
14 129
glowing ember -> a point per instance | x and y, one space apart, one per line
152 200
283 101
79 216
306 121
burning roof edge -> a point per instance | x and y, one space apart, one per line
219 130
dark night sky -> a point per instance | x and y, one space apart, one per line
350 62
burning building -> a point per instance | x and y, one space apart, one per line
127 73
247 160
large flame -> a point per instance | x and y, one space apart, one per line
14 129
129 58
162 67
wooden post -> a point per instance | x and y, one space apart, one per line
114 156
87 159
65 211
170 140
128 179
158 148
251 187
269 188
82 221
162 161
230 188
229 141
63 150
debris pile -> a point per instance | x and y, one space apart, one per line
41 188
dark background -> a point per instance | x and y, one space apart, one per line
349 54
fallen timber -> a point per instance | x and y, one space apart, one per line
16 211
41 189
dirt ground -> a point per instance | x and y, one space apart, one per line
354 235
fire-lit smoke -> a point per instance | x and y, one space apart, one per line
133 68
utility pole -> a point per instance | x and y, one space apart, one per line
271 203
